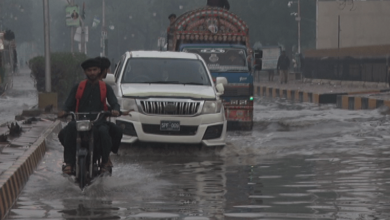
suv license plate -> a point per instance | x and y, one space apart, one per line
170 125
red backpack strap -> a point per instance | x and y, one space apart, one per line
103 94
79 94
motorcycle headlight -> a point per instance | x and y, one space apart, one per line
211 107
83 125
128 103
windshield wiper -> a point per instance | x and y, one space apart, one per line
164 82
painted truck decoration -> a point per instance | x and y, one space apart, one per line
221 38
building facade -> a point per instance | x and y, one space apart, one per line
352 23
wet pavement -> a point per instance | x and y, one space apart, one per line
301 161
20 96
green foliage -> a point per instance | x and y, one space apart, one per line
9 35
66 71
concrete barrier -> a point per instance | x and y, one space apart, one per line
14 179
358 102
345 101
293 95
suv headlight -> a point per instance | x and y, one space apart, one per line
211 107
128 103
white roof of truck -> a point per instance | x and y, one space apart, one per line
163 54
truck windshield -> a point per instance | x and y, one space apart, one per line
165 71
222 59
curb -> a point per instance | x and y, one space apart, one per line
13 180
296 95
317 98
359 103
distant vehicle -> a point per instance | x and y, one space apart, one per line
173 97
222 39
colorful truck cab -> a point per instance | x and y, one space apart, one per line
221 38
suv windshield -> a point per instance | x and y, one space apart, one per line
222 59
165 71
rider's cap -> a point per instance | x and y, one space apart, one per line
90 63
104 62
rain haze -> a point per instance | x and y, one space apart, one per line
286 153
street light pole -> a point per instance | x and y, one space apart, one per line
104 33
72 33
298 18
47 45
83 33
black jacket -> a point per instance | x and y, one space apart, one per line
219 3
283 62
90 101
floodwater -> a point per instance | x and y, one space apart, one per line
21 95
301 161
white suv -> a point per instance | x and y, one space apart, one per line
173 97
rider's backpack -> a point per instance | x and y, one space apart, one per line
103 93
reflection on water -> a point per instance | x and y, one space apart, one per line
300 162
99 211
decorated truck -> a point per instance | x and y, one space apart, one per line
221 38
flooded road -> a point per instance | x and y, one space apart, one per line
301 161
20 95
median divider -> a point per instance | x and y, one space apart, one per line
352 102
345 100
15 178
297 95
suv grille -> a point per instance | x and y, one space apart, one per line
170 108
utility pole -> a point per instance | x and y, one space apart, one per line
338 33
72 33
82 40
316 24
298 18
104 33
47 45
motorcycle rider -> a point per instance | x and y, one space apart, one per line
89 102
116 132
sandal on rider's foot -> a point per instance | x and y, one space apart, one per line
67 169
109 163
106 168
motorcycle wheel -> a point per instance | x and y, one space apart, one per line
82 172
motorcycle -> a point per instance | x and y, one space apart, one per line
88 165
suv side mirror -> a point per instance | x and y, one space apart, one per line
222 80
220 88
110 79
